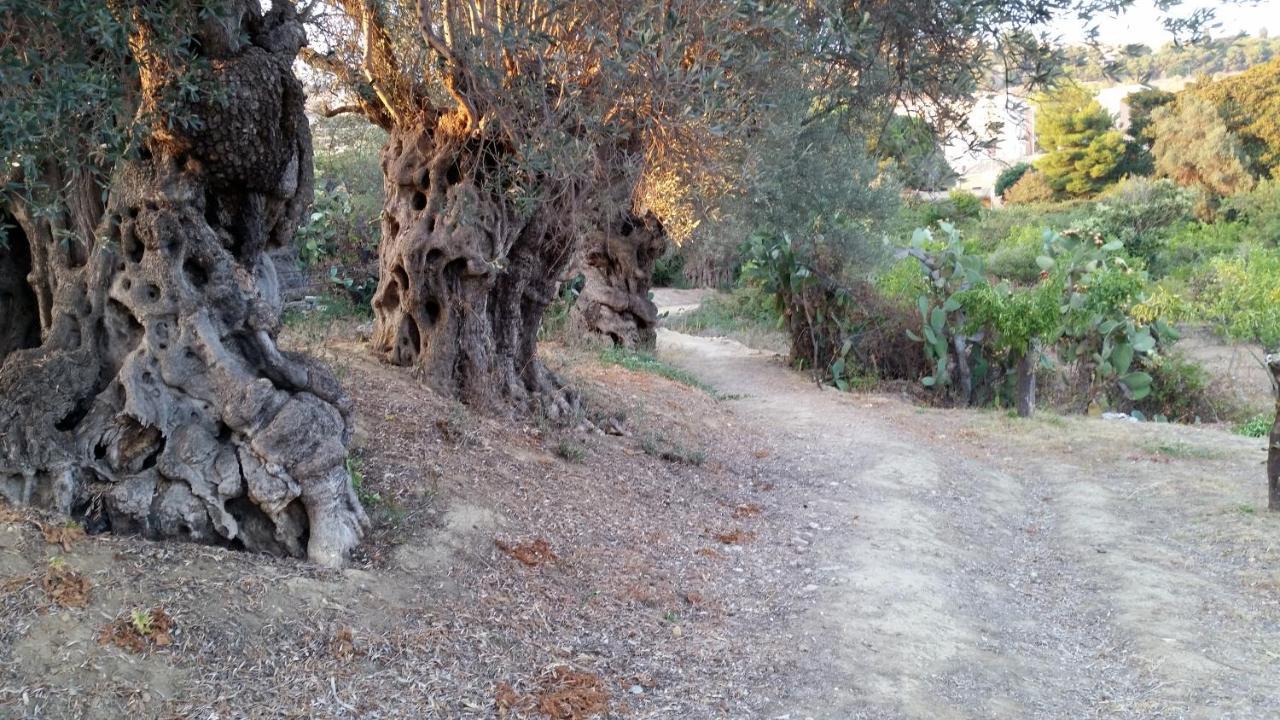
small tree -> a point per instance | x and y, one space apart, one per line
1010 176
1085 152
1194 147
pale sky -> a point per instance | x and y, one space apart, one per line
1142 23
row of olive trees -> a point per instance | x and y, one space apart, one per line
157 155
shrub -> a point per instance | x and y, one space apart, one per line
966 204
1180 391
1015 258
668 271
1240 296
1259 210
1191 245
1032 187
1139 213
1009 176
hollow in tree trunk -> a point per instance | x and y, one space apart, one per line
618 267
465 271
157 401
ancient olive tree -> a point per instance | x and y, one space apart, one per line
155 152
519 128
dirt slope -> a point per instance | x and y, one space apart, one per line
970 565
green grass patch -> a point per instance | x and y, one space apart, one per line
639 361
1183 451
327 309
1257 426
746 315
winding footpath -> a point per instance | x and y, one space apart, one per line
1023 583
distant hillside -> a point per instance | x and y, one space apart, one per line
1139 63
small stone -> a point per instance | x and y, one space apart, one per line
636 690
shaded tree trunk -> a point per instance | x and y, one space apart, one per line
157 401
618 267
1025 387
465 271
1273 450
19 320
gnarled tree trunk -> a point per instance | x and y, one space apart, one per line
618 266
157 401
465 275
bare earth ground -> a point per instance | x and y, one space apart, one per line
833 556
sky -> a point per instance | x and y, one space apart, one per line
1142 22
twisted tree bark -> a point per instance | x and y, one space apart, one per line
157 401
618 266
465 274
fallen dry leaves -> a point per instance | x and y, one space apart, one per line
563 694
64 535
533 553
746 510
139 631
66 587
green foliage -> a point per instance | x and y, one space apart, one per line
1015 258
327 310
70 99
1009 176
911 151
668 271
1259 210
1189 246
1084 151
747 314
1194 147
1249 104
1141 105
838 331
555 319
1181 391
1138 63
1099 331
1241 296
355 471
1033 187
1258 426
1138 213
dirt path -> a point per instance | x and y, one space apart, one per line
969 565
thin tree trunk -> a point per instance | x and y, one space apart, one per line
1273 450
618 267
157 401
465 274
1025 389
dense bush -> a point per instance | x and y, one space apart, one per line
668 271
1139 214
842 331
1031 188
1241 296
1009 176
1015 258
